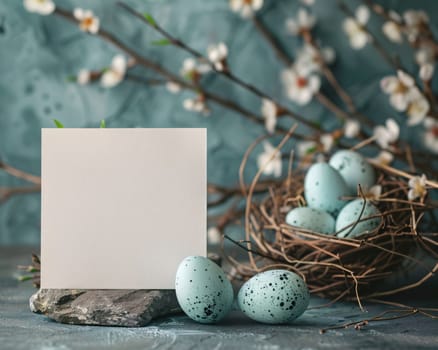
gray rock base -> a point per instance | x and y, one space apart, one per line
125 308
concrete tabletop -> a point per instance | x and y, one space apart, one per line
21 329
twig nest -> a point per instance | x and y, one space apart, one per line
376 231
324 188
311 219
276 296
354 169
202 289
357 218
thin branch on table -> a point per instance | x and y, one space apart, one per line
226 72
358 325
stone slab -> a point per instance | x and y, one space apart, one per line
125 308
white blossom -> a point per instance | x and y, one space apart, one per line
374 192
87 21
425 55
351 128
214 236
197 105
393 31
304 21
192 69
384 158
305 148
400 89
327 142
417 187
431 134
173 87
308 59
414 20
418 108
415 17
83 77
426 72
354 28
246 8
42 7
269 112
264 161
115 73
328 54
217 54
425 58
233 273
300 86
387 134
308 2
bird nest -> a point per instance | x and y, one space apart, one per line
333 267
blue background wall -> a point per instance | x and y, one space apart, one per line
37 53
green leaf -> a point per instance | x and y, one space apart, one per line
311 150
24 278
149 18
162 42
317 124
102 123
71 78
58 123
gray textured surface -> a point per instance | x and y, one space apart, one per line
21 329
125 308
39 52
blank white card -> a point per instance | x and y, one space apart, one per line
121 207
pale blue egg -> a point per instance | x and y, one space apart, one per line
276 296
202 289
351 213
324 187
354 169
311 219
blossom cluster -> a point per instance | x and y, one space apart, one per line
302 79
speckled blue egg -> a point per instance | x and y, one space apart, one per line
351 213
276 296
354 169
311 219
202 289
324 187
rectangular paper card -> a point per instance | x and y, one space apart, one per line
121 207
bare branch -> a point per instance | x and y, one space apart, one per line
226 72
20 173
